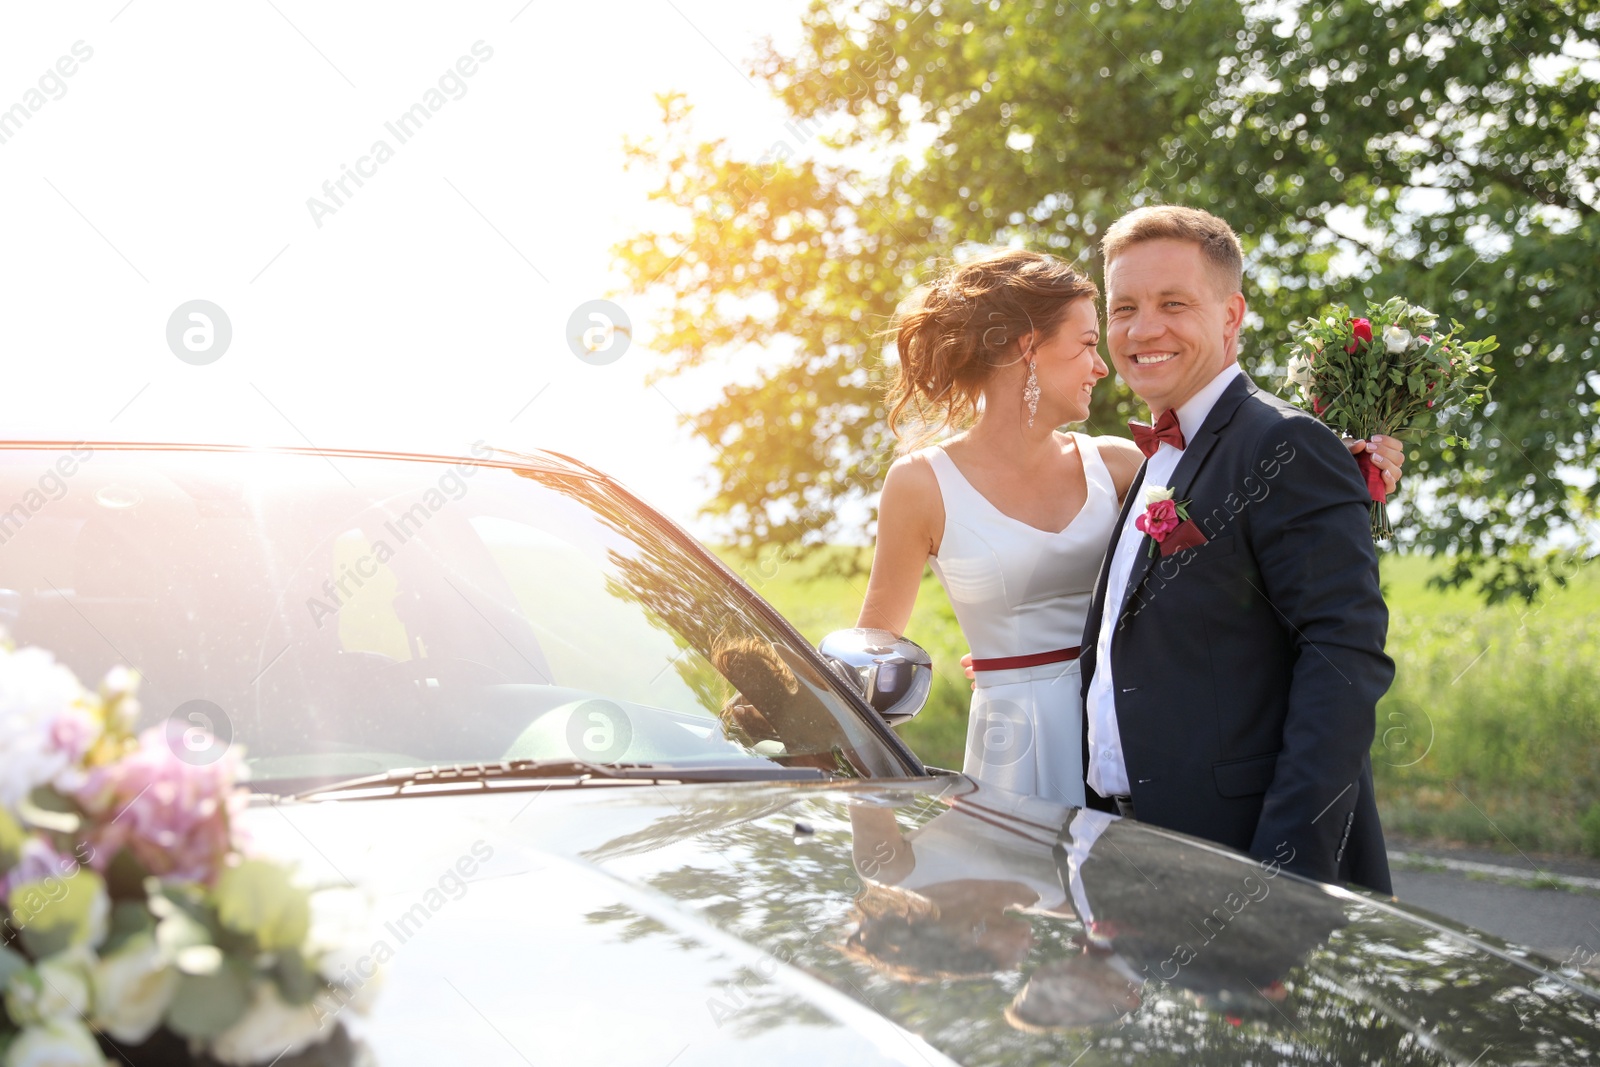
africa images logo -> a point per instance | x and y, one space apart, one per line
406 126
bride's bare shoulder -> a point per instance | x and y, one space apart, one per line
911 477
911 505
1122 458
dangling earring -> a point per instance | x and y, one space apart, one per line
1030 393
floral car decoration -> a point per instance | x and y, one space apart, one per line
130 904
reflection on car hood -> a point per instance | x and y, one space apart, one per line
926 921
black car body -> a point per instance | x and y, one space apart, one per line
598 803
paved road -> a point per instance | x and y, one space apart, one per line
1563 923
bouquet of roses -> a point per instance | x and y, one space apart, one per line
128 906
1382 373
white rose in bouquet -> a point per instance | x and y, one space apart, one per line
270 1028
58 1043
1396 339
1299 371
57 987
132 989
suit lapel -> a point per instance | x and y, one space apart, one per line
1194 454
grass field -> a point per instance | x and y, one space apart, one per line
1490 735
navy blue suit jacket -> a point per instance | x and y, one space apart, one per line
1248 669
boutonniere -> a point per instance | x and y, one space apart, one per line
1166 521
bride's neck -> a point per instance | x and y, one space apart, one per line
1011 436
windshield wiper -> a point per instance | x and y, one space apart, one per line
477 777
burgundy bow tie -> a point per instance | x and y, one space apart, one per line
1148 438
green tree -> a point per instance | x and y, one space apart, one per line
1448 152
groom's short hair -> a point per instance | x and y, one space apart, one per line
1217 241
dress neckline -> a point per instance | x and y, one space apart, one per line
1088 481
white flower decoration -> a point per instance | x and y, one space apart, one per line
1396 339
1156 493
132 989
269 1027
1300 371
45 722
58 1043
56 988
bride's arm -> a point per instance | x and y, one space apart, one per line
910 523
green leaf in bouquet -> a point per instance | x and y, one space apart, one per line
45 809
258 898
206 1005
54 914
129 919
179 931
297 982
12 837
11 962
125 877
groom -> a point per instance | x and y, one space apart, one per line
1230 685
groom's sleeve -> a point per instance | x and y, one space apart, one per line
1312 542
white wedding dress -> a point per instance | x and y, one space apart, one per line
1018 590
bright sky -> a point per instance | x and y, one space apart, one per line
170 155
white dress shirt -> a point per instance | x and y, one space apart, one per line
1108 772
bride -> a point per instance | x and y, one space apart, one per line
1014 515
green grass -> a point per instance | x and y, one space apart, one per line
1490 735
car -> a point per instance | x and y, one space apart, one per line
589 799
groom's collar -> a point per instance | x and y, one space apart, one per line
1192 412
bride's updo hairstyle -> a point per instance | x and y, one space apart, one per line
970 322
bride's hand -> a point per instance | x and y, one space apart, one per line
1388 455
966 665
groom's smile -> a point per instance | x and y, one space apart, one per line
1171 322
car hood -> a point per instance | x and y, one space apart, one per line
925 921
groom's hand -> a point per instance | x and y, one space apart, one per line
966 665
1388 455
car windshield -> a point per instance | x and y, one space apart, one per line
343 615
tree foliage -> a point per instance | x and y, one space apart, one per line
1446 152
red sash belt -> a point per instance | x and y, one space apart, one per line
1033 659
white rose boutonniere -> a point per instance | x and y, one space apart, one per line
1154 494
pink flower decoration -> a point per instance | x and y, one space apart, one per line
1158 520
74 732
175 817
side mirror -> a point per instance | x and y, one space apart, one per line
894 674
